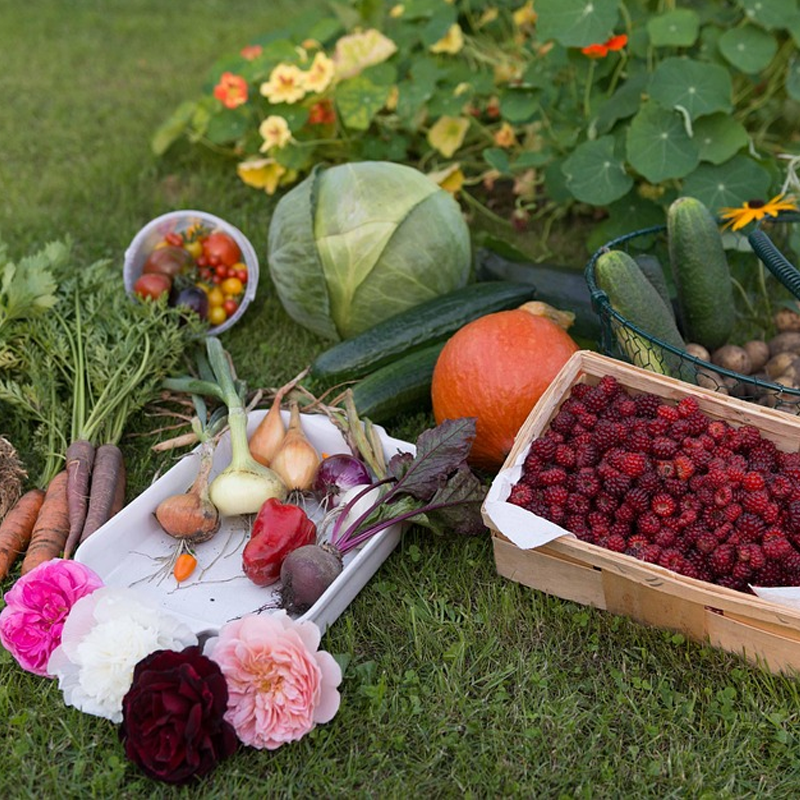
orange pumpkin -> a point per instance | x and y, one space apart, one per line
495 368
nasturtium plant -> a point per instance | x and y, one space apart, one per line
533 105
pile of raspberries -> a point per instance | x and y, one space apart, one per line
669 485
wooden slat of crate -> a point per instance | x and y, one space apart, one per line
764 632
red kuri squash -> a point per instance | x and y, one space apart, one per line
495 368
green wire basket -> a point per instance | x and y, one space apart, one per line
659 356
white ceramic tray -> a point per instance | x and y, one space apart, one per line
131 549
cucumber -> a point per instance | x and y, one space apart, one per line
400 387
632 296
701 273
654 272
433 321
562 287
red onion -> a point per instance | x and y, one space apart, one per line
336 474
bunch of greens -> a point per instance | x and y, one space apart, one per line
77 356
623 105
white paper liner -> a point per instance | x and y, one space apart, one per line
528 531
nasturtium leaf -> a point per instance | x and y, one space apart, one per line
427 70
678 28
227 126
390 148
623 103
411 99
497 159
630 213
529 159
730 184
555 183
748 48
293 157
358 101
658 145
323 29
793 79
438 25
719 137
576 23
769 14
447 134
172 128
595 174
697 86
357 51
519 106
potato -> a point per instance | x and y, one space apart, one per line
732 357
778 364
758 351
698 351
787 319
788 341
709 379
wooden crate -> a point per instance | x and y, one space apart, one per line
764 632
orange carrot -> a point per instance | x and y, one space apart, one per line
17 527
184 566
50 532
105 476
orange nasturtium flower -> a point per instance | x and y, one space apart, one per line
231 90
505 136
286 84
251 52
321 113
755 210
602 50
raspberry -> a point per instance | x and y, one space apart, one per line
755 501
609 386
723 496
565 456
598 522
633 464
520 495
555 513
606 503
793 514
649 482
665 469
771 513
587 455
552 476
753 481
780 487
672 559
648 524
577 524
665 538
791 564
687 517
663 504
578 504
706 543
658 426
669 413
696 424
763 457
663 448
684 467
587 482
626 513
675 487
718 430
556 495
742 571
639 439
732 512
625 406
752 554
771 574
579 390
608 433
617 543
647 404
563 422
687 406
722 559
638 499
775 545
595 401
750 527
651 553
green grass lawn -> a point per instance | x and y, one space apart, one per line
458 683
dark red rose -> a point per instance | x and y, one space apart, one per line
173 723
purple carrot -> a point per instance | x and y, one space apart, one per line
79 461
108 463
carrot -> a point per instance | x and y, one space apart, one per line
119 490
17 527
184 566
80 457
108 464
50 532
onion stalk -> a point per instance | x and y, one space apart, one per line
244 485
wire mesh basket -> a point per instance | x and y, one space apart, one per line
622 339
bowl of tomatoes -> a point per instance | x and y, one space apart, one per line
201 262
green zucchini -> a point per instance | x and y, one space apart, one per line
400 387
632 296
433 321
561 287
701 273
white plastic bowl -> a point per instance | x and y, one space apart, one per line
178 221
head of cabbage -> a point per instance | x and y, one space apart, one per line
354 244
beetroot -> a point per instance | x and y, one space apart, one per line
306 573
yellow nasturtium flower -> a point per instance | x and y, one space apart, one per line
525 17
320 74
490 15
397 11
261 173
357 51
451 179
392 98
505 136
451 42
275 132
447 134
286 84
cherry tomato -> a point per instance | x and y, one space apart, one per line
216 297
223 246
230 306
174 239
195 249
201 260
231 286
241 274
152 285
217 315
221 270
213 259
168 260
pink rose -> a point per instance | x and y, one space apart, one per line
279 684
36 607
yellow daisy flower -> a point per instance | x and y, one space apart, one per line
286 84
275 132
756 210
